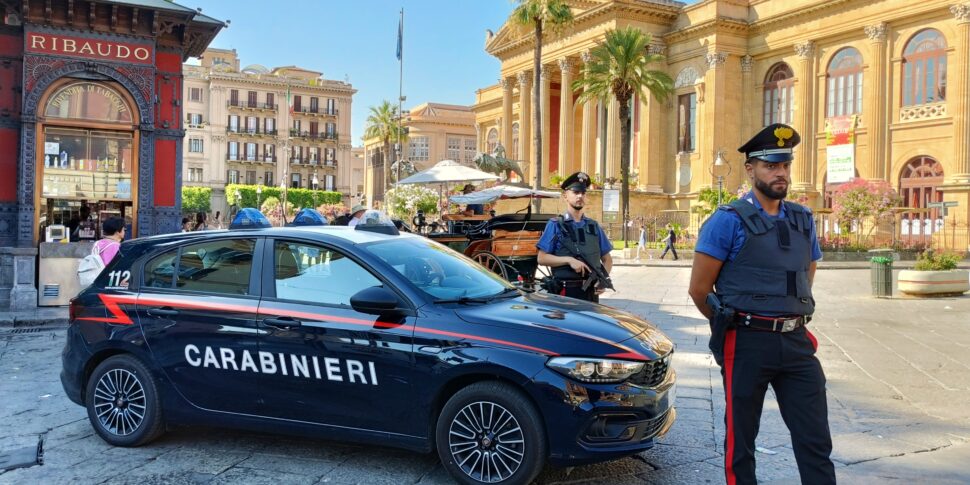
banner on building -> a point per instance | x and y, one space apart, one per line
840 148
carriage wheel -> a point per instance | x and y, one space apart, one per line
491 262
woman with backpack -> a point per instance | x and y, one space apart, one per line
113 232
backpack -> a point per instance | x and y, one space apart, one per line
91 265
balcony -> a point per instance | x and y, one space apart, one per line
249 131
329 164
318 111
306 135
246 106
232 157
296 161
269 159
201 124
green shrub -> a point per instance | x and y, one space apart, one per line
297 197
932 261
196 199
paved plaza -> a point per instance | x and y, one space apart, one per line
898 385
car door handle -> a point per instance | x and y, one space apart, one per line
284 322
163 312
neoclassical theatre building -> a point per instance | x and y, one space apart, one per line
877 89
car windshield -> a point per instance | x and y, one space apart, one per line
437 270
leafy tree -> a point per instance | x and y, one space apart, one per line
708 197
382 123
540 15
858 200
196 199
619 67
297 197
405 201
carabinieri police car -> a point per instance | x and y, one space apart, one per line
365 335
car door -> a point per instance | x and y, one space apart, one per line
328 363
197 305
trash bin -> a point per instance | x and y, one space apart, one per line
881 276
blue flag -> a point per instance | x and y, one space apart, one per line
400 38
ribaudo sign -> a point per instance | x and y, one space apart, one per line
89 48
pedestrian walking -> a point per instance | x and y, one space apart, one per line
569 239
642 241
103 251
752 277
200 224
670 240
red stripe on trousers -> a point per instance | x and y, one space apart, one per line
729 343
813 339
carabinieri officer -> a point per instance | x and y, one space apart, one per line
758 255
570 233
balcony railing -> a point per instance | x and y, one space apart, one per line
314 136
330 163
201 124
319 110
296 160
250 131
269 158
248 105
232 157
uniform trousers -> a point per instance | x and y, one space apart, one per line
574 289
753 359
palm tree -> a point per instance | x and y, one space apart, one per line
619 67
382 123
540 14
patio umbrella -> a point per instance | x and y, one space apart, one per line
492 194
449 171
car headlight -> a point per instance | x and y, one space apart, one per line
595 370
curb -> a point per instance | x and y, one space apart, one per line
32 321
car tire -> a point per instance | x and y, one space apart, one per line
123 404
509 434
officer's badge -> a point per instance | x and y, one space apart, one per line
582 177
783 133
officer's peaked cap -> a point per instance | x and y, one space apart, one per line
577 182
774 143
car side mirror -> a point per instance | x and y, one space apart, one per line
375 300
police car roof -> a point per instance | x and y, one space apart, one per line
348 234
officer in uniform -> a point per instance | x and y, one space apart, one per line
571 232
752 277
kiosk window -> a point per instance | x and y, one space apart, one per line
216 267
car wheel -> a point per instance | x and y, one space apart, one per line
489 432
123 402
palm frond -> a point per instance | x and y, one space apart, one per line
620 68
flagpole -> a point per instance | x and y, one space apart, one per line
400 97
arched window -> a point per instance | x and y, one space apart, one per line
924 68
779 91
88 101
514 154
843 91
919 182
491 141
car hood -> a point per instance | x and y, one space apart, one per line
574 327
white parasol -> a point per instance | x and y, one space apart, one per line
449 171
492 194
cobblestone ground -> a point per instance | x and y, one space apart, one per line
897 376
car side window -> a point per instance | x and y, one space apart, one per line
221 266
160 271
313 274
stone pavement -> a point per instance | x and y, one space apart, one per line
897 379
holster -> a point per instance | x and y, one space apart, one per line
722 322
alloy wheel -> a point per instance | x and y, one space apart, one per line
486 442
119 401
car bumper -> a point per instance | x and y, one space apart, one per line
588 423
73 358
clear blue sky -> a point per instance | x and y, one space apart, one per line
444 56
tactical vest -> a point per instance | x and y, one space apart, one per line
585 240
769 276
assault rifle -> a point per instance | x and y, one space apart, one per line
597 274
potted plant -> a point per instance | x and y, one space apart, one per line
935 274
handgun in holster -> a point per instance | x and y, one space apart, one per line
721 322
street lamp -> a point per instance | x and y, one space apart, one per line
316 183
720 169
259 193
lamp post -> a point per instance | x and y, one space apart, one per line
316 183
238 197
720 169
259 193
283 203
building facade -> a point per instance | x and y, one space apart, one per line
259 126
90 123
877 89
436 132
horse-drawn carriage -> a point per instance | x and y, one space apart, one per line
504 244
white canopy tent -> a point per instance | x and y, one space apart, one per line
449 171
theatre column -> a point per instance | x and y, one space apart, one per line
804 166
956 185
525 124
507 115
545 104
874 114
588 154
567 163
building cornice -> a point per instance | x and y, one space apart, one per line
222 79
719 25
511 39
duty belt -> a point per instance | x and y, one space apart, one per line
771 324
